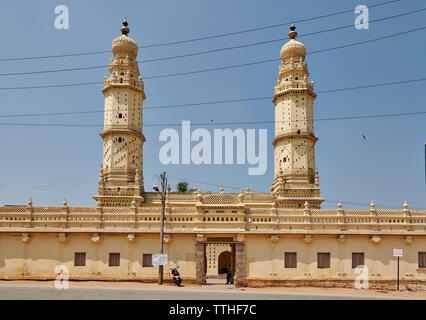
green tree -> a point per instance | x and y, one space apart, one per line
183 187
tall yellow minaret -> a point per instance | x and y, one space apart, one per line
295 177
121 179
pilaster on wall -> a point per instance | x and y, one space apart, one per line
199 259
240 265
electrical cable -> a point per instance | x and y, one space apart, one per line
200 38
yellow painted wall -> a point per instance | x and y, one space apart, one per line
265 259
38 258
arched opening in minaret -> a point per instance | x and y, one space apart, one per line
120 115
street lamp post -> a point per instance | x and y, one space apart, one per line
163 204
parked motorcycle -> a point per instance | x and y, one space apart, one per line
177 280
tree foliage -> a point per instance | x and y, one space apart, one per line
182 186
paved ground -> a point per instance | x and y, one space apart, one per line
43 293
44 290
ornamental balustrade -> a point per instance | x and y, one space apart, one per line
214 217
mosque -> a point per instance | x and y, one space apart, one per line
276 238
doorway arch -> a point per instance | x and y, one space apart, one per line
224 260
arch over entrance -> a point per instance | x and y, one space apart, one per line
224 260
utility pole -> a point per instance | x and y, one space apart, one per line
163 204
397 283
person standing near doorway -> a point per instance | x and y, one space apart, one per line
229 275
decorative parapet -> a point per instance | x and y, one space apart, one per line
215 212
307 214
29 213
407 216
373 214
64 214
341 217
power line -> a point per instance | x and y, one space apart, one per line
201 38
217 68
210 102
261 28
218 50
219 123
274 40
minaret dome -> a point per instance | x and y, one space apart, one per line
123 44
293 48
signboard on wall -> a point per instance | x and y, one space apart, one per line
160 259
397 252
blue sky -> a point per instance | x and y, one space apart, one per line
50 163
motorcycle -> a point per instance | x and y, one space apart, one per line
177 280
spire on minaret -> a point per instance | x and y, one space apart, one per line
292 34
124 29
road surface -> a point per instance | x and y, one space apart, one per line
13 292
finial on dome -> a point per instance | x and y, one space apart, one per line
124 29
292 34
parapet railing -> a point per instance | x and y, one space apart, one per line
189 218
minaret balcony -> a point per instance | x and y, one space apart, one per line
293 135
123 84
292 67
281 90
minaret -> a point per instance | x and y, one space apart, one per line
121 179
295 178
